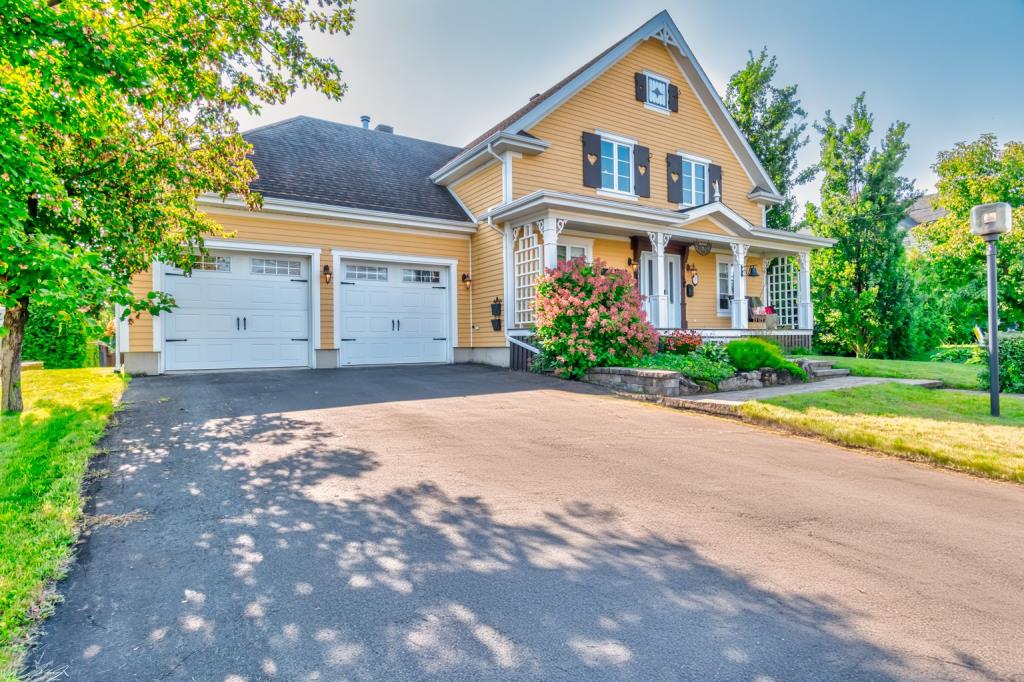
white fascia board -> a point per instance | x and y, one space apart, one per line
483 153
763 197
307 209
794 238
543 200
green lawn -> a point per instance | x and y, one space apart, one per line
952 374
949 428
43 456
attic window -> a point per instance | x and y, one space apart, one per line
657 92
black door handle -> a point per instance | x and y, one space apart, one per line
399 325
243 324
238 324
392 325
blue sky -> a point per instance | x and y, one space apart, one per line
445 70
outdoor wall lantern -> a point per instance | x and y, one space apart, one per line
753 271
327 273
990 222
467 279
496 307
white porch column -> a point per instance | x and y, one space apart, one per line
550 229
740 318
659 294
805 314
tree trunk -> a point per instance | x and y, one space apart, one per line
10 357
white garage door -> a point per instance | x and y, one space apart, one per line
392 313
238 310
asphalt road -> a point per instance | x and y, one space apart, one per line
464 523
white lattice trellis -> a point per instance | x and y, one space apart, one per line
782 292
527 260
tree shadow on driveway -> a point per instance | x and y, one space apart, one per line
260 557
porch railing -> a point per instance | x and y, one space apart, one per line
521 352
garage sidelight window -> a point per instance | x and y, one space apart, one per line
274 266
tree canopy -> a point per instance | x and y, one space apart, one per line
862 292
949 261
774 123
114 118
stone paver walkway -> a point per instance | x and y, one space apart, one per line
737 397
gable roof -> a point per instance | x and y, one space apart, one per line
316 161
663 28
924 210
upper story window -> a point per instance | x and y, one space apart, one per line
616 165
657 92
695 181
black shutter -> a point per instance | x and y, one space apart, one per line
640 81
591 160
673 98
675 179
714 180
641 171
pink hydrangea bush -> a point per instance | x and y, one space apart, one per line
591 316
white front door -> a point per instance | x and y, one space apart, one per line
238 310
393 313
673 264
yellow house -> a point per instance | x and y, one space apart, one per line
374 248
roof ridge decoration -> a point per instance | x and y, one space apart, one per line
662 28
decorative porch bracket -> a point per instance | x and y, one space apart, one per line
659 292
740 319
805 315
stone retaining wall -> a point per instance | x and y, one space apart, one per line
673 384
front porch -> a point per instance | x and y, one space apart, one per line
704 268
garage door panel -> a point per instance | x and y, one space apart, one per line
211 304
393 321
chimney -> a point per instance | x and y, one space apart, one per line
365 118
381 128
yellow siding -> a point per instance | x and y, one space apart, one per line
488 284
701 310
614 252
327 236
608 104
140 327
482 190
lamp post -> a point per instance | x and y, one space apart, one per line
990 222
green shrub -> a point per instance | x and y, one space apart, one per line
713 351
1011 365
799 350
754 353
694 366
969 354
60 341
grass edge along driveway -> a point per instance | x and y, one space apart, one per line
44 453
948 428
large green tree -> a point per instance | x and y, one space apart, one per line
949 261
114 117
862 292
774 123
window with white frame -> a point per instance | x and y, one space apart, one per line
781 281
527 263
372 273
276 266
657 92
695 181
724 287
570 248
616 165
210 263
416 276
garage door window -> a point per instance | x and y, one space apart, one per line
212 263
421 276
366 272
273 266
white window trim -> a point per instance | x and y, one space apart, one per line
627 142
668 83
728 260
587 244
338 255
692 158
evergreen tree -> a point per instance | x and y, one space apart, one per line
862 291
774 123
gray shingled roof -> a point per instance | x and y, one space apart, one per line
924 210
309 159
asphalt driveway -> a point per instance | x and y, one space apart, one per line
468 523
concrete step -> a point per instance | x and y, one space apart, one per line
820 364
830 372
